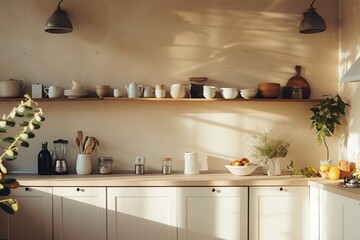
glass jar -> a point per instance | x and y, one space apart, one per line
296 93
105 165
166 165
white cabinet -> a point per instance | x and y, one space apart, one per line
142 213
280 213
213 213
79 213
339 217
34 218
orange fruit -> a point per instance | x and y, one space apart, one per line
334 173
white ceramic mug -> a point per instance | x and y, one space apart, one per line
192 164
160 93
54 91
118 92
83 164
148 92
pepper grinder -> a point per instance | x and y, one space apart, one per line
139 165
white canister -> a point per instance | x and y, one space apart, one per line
192 164
83 164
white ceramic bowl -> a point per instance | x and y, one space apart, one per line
229 93
209 94
177 94
248 93
241 170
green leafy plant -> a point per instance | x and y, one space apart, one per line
326 115
31 120
269 144
308 171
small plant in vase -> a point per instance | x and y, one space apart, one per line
326 115
268 148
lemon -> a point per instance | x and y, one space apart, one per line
324 167
334 173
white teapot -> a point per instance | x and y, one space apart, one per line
134 90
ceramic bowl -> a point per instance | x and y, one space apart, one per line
209 94
103 92
248 93
229 93
177 93
241 170
269 90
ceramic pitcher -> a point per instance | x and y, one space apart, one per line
134 90
192 164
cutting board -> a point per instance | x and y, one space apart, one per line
297 82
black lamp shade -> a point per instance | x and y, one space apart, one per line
58 22
312 22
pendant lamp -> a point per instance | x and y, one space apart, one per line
58 22
312 22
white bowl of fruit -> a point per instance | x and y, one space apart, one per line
241 167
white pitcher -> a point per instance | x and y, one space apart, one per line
192 164
134 90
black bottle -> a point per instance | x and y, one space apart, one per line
44 160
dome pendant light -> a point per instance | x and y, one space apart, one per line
58 22
312 22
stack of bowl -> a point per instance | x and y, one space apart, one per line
229 93
269 90
209 92
178 90
103 90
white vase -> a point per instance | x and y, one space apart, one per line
273 167
83 164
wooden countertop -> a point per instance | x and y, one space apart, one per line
181 180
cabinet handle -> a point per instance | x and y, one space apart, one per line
78 189
281 189
214 190
27 189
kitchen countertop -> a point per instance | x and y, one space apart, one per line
181 180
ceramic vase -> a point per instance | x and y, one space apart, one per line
83 164
273 167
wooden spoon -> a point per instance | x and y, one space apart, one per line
80 135
77 143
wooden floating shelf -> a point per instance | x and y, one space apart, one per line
161 99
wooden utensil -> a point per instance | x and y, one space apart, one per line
297 82
80 135
77 143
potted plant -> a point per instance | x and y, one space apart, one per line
268 147
32 118
326 115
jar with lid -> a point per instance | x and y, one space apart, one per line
105 165
166 165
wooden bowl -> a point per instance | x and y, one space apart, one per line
269 90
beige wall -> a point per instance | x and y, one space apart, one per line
349 53
233 43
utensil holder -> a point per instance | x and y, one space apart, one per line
83 164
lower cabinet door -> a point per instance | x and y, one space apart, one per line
280 213
34 218
142 213
339 217
213 213
79 213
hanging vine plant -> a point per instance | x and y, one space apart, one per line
27 119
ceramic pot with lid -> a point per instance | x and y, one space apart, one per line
11 88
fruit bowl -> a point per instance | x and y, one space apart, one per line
241 170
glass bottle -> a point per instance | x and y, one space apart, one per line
44 160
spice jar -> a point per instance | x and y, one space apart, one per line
166 165
105 165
